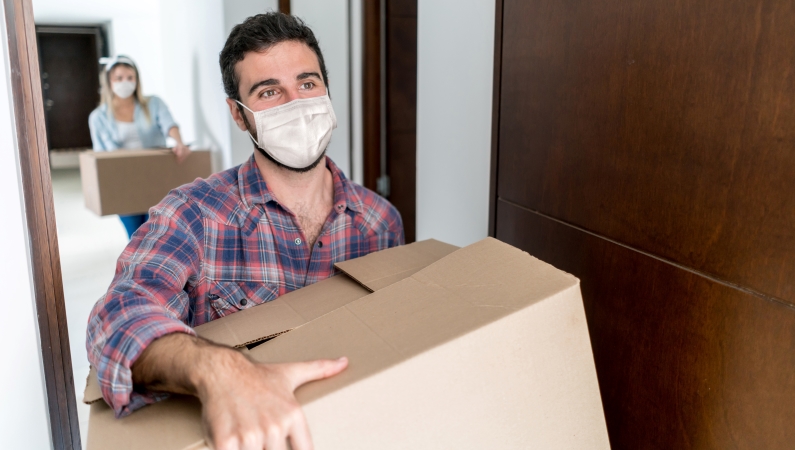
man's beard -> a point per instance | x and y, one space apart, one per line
293 169
273 160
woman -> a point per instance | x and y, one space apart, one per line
125 119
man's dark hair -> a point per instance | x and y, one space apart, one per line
259 33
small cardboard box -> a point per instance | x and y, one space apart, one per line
472 348
132 181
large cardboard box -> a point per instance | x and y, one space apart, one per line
472 348
132 181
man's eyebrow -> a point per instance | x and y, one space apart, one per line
306 75
268 82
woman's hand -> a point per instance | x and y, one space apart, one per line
181 151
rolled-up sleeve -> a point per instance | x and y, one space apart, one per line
146 299
396 227
162 115
99 126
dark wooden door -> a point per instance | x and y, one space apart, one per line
69 61
649 148
390 105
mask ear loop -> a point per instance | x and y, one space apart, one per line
245 120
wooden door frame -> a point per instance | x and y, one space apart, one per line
386 157
372 90
97 29
495 119
284 6
40 221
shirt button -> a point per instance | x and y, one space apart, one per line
297 241
320 244
243 302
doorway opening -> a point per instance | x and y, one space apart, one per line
69 63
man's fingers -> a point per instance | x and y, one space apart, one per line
300 439
304 372
276 440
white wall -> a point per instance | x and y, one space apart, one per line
329 21
357 91
133 29
235 12
192 34
455 59
24 421
175 44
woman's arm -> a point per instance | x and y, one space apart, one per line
180 149
100 133
168 126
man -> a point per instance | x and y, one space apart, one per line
240 238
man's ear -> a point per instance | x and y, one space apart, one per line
237 116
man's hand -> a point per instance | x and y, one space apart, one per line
258 409
245 405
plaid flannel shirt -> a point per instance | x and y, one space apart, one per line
207 246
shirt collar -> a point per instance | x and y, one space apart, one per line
254 190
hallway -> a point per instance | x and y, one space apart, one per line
89 246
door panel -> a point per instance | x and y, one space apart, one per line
669 126
70 85
401 110
683 362
647 148
390 146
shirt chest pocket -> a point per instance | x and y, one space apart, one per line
227 297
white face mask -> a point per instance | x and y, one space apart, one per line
296 133
123 89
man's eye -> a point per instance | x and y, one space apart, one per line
268 93
308 85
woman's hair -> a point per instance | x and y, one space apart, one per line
106 93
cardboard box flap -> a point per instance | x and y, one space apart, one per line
466 290
299 307
480 288
123 153
282 314
267 320
92 393
296 308
171 424
378 270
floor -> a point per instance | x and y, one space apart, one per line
89 246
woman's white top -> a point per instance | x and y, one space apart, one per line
128 135
153 128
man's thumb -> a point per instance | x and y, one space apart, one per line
304 372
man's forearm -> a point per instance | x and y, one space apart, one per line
244 405
182 364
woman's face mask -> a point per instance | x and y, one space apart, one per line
295 133
123 80
123 89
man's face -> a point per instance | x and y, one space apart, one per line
285 72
